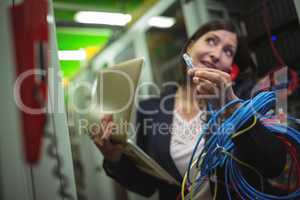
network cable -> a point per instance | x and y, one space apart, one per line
219 148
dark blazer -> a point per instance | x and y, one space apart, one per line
256 147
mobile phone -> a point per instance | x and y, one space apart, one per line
188 60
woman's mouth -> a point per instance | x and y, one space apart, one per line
213 66
208 64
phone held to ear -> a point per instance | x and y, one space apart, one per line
235 70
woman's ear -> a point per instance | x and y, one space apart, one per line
189 47
235 70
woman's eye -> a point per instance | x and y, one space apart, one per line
211 41
229 52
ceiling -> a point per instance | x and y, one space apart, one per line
92 38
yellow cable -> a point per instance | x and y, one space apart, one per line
216 184
245 129
246 165
193 182
233 157
195 175
183 184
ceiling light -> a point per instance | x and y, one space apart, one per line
161 22
91 17
72 55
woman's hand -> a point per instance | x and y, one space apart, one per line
111 152
211 81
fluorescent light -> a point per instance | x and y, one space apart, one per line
91 17
161 22
72 55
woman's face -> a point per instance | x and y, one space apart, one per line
215 49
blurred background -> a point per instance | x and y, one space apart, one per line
81 37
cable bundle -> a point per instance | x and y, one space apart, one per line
218 150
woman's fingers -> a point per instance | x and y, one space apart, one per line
215 76
108 131
103 141
104 132
97 140
206 87
107 117
108 145
105 120
110 151
191 72
210 81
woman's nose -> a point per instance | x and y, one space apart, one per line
215 55
214 59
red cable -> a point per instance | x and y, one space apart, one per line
293 152
267 23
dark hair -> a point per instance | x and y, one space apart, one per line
241 58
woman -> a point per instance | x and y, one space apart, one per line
213 49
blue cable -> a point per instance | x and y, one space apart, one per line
220 140
203 132
211 143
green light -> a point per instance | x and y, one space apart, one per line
70 68
76 38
